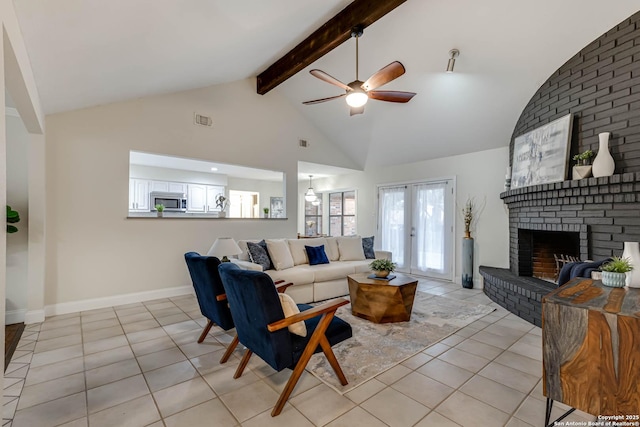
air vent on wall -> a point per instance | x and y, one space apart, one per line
201 120
303 143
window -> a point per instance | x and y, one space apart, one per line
313 217
342 213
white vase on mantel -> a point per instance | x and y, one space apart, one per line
603 164
632 252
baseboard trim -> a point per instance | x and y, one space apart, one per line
33 316
14 316
95 303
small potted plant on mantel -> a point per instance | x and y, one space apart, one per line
382 267
582 169
266 212
160 208
614 272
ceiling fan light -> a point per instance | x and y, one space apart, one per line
357 99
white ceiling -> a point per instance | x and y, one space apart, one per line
90 52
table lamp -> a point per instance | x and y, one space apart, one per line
224 246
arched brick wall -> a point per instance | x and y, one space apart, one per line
600 85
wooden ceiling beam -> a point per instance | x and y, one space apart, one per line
326 38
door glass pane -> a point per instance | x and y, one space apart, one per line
430 229
391 219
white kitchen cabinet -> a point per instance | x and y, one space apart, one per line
139 195
196 198
212 193
160 186
169 187
177 187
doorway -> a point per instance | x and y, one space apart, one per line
415 223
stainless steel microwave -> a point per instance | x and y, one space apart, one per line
173 202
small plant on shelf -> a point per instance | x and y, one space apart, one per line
12 218
584 158
382 267
266 212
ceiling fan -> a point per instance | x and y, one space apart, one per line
357 92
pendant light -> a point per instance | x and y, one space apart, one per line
310 196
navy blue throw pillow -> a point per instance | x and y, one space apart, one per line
367 246
316 255
259 254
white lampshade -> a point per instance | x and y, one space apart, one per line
224 246
357 98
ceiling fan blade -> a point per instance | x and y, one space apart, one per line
356 110
384 76
391 95
318 101
329 79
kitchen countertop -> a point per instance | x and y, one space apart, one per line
187 215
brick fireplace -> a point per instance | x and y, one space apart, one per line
600 86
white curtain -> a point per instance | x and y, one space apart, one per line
392 222
428 214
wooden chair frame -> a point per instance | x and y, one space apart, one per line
327 311
280 286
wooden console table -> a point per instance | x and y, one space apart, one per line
591 348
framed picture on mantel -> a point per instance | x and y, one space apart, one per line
542 155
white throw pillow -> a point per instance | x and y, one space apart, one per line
290 308
351 249
298 253
332 248
280 254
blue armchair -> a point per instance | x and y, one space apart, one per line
263 329
210 294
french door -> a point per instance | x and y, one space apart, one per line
415 223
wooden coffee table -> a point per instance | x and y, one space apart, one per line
382 301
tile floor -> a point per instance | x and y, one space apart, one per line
140 365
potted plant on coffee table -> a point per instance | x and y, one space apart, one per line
614 272
382 267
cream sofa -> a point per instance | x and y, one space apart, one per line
313 282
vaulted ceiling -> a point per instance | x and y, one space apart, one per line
92 52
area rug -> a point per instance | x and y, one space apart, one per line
375 348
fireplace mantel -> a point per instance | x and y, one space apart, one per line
620 188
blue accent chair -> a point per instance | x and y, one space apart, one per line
262 327
211 296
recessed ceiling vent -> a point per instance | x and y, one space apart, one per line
303 143
201 120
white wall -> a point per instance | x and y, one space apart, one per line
479 175
18 199
93 250
176 175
